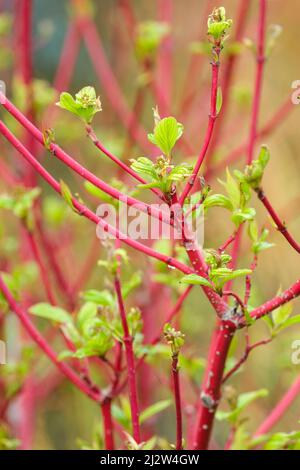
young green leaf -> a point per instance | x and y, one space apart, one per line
49 312
284 441
217 200
103 298
194 279
85 105
243 401
218 25
166 133
67 195
152 410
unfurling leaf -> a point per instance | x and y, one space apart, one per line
152 410
67 195
218 25
194 279
174 338
85 105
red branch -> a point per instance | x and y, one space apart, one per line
209 132
278 411
211 387
259 78
128 343
175 374
281 227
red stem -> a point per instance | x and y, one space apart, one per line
91 134
228 72
209 132
211 388
287 295
107 424
280 225
175 374
243 359
128 343
259 79
279 410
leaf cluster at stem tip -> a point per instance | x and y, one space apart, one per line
217 26
85 104
162 173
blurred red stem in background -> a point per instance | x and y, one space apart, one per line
131 369
260 59
281 227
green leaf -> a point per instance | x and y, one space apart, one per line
97 346
54 211
253 230
66 101
219 100
217 24
85 105
194 279
180 172
129 286
281 314
87 312
152 410
221 276
145 167
261 244
295 320
284 441
49 312
21 203
12 285
242 215
243 401
264 156
6 202
149 37
25 202
217 200
103 298
67 195
166 133
233 189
